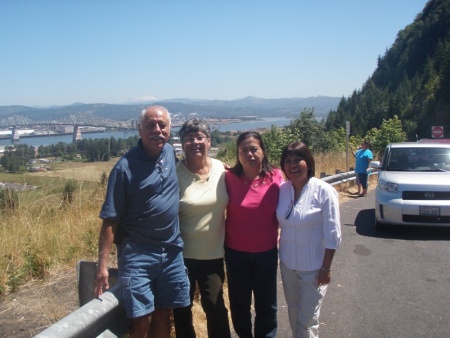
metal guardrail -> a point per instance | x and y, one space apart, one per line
104 317
342 178
91 320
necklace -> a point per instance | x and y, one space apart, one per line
255 182
202 171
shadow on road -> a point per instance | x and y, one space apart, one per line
365 226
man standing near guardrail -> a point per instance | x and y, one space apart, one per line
140 215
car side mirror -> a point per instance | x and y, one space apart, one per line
375 164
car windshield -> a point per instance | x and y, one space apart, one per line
418 159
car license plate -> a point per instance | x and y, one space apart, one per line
430 211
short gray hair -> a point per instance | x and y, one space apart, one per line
194 125
144 111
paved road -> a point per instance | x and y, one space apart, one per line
387 284
384 284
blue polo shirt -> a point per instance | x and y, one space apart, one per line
143 197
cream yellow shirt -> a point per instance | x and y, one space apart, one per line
202 211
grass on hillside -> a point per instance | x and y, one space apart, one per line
45 230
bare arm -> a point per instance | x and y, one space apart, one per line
105 243
355 151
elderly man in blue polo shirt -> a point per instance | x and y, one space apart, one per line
141 204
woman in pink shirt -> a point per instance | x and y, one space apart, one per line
251 233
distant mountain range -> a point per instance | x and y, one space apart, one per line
248 106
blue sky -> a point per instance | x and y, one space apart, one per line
56 52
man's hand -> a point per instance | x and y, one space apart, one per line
105 243
101 282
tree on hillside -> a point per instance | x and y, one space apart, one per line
274 140
15 158
307 129
390 131
411 81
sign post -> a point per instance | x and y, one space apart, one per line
347 133
437 131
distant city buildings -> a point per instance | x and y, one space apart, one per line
8 132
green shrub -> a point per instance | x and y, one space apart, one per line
69 189
9 199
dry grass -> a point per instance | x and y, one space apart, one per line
41 242
79 171
39 303
329 163
45 231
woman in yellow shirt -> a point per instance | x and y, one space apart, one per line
203 199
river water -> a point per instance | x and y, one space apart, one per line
47 140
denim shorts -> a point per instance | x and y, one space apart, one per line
151 277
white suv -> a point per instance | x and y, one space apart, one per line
413 184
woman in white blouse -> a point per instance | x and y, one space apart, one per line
308 214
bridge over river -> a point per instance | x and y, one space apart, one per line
77 120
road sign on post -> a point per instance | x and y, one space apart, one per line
437 131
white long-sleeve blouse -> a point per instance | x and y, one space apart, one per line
309 225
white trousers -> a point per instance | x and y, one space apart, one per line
303 297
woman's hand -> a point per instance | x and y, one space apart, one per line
324 277
325 271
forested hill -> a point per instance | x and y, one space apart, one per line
412 80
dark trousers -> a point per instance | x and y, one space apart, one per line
253 273
363 180
209 275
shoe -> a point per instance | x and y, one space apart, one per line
361 195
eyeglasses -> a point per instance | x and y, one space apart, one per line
293 161
192 139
